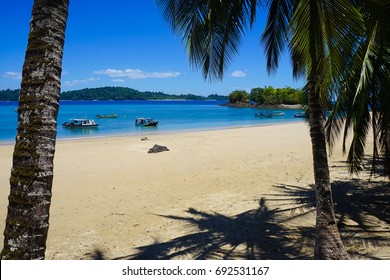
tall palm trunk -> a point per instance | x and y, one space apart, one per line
328 244
31 178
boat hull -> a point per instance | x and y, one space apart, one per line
148 124
70 125
80 123
269 115
145 122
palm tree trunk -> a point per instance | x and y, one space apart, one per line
328 244
27 221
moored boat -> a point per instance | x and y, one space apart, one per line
300 115
107 116
145 122
263 115
80 123
277 113
270 115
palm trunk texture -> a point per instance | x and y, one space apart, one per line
27 221
328 244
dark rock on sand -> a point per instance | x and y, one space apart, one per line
157 149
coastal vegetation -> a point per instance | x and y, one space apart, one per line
9 94
261 96
238 96
267 96
115 93
125 93
272 96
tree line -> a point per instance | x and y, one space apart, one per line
268 96
114 93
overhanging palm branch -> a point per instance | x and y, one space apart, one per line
276 34
211 29
363 92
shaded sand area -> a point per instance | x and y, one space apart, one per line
241 193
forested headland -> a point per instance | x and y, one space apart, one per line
266 97
258 96
115 93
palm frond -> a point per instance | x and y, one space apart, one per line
300 41
361 127
341 25
335 123
276 32
362 90
211 30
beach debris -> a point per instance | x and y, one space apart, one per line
157 149
144 138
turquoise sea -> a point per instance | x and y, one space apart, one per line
171 115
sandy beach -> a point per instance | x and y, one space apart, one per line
201 198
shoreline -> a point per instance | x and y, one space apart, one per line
110 195
12 143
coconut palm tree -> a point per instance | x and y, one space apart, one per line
313 31
27 221
322 32
363 94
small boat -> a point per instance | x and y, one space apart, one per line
107 116
263 115
300 115
270 115
145 122
80 123
277 113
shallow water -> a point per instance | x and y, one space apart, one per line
171 115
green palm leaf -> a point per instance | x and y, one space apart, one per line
276 32
211 30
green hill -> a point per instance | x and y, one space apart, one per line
114 93
9 95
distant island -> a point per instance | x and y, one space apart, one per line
115 93
267 97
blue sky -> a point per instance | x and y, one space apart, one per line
128 43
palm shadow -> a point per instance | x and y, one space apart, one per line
362 210
256 234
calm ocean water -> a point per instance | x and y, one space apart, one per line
172 116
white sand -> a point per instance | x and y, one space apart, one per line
109 193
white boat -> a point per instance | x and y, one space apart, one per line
80 123
270 115
300 115
145 122
277 113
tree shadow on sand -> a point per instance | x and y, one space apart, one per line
362 210
270 231
256 234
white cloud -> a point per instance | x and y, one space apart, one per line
78 82
134 74
13 75
119 80
238 74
